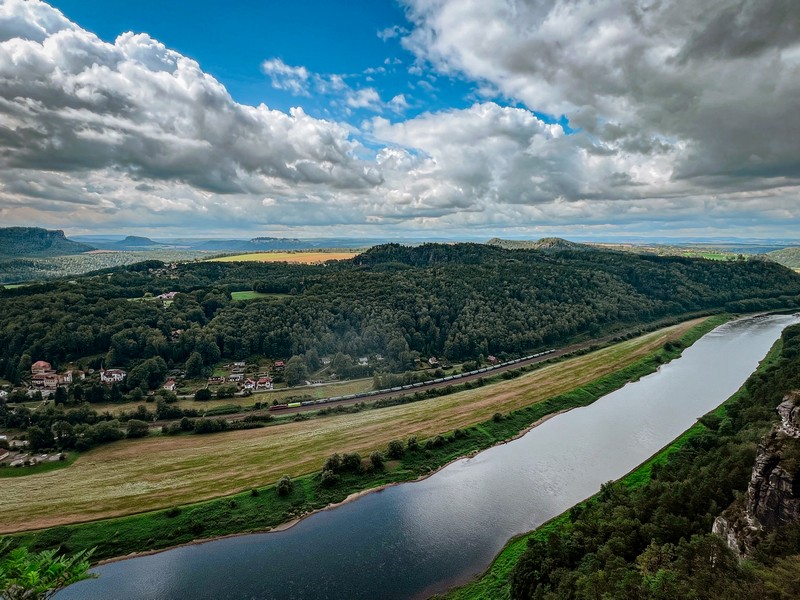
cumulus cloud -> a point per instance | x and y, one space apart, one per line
73 103
716 81
674 123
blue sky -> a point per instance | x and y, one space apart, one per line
231 40
421 118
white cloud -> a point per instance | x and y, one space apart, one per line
392 32
133 135
364 98
285 77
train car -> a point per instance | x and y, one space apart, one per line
293 404
278 407
308 402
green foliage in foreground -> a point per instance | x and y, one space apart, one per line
268 508
38 576
648 536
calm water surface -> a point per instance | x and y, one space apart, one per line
415 539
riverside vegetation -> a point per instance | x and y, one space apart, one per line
649 536
342 474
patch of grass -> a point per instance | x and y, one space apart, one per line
44 467
241 296
302 447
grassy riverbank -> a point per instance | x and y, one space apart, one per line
495 584
264 508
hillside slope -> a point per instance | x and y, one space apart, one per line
35 241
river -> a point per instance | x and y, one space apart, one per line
415 539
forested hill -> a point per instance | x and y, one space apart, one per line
457 301
35 241
551 243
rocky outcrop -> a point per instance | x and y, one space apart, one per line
773 495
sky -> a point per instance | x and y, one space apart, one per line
445 119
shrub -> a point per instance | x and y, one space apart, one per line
186 424
202 394
333 463
412 443
254 492
328 478
376 458
395 449
352 462
137 428
172 512
497 417
285 485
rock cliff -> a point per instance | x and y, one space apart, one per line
773 495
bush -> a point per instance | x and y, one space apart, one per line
412 443
497 417
333 463
202 394
328 478
376 458
210 425
285 485
186 424
395 449
137 428
172 512
352 462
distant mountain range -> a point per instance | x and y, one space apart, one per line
33 242
18 242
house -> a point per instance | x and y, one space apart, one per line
279 365
41 366
65 379
264 383
379 357
215 380
175 334
432 361
48 381
325 360
3 394
363 361
249 384
112 375
236 377
492 360
170 385
240 364
167 296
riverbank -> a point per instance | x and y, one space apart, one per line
263 508
495 581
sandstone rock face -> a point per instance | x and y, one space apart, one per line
773 495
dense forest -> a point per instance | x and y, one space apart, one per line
655 541
34 241
457 301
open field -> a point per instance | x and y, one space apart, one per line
240 296
290 257
344 388
134 476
